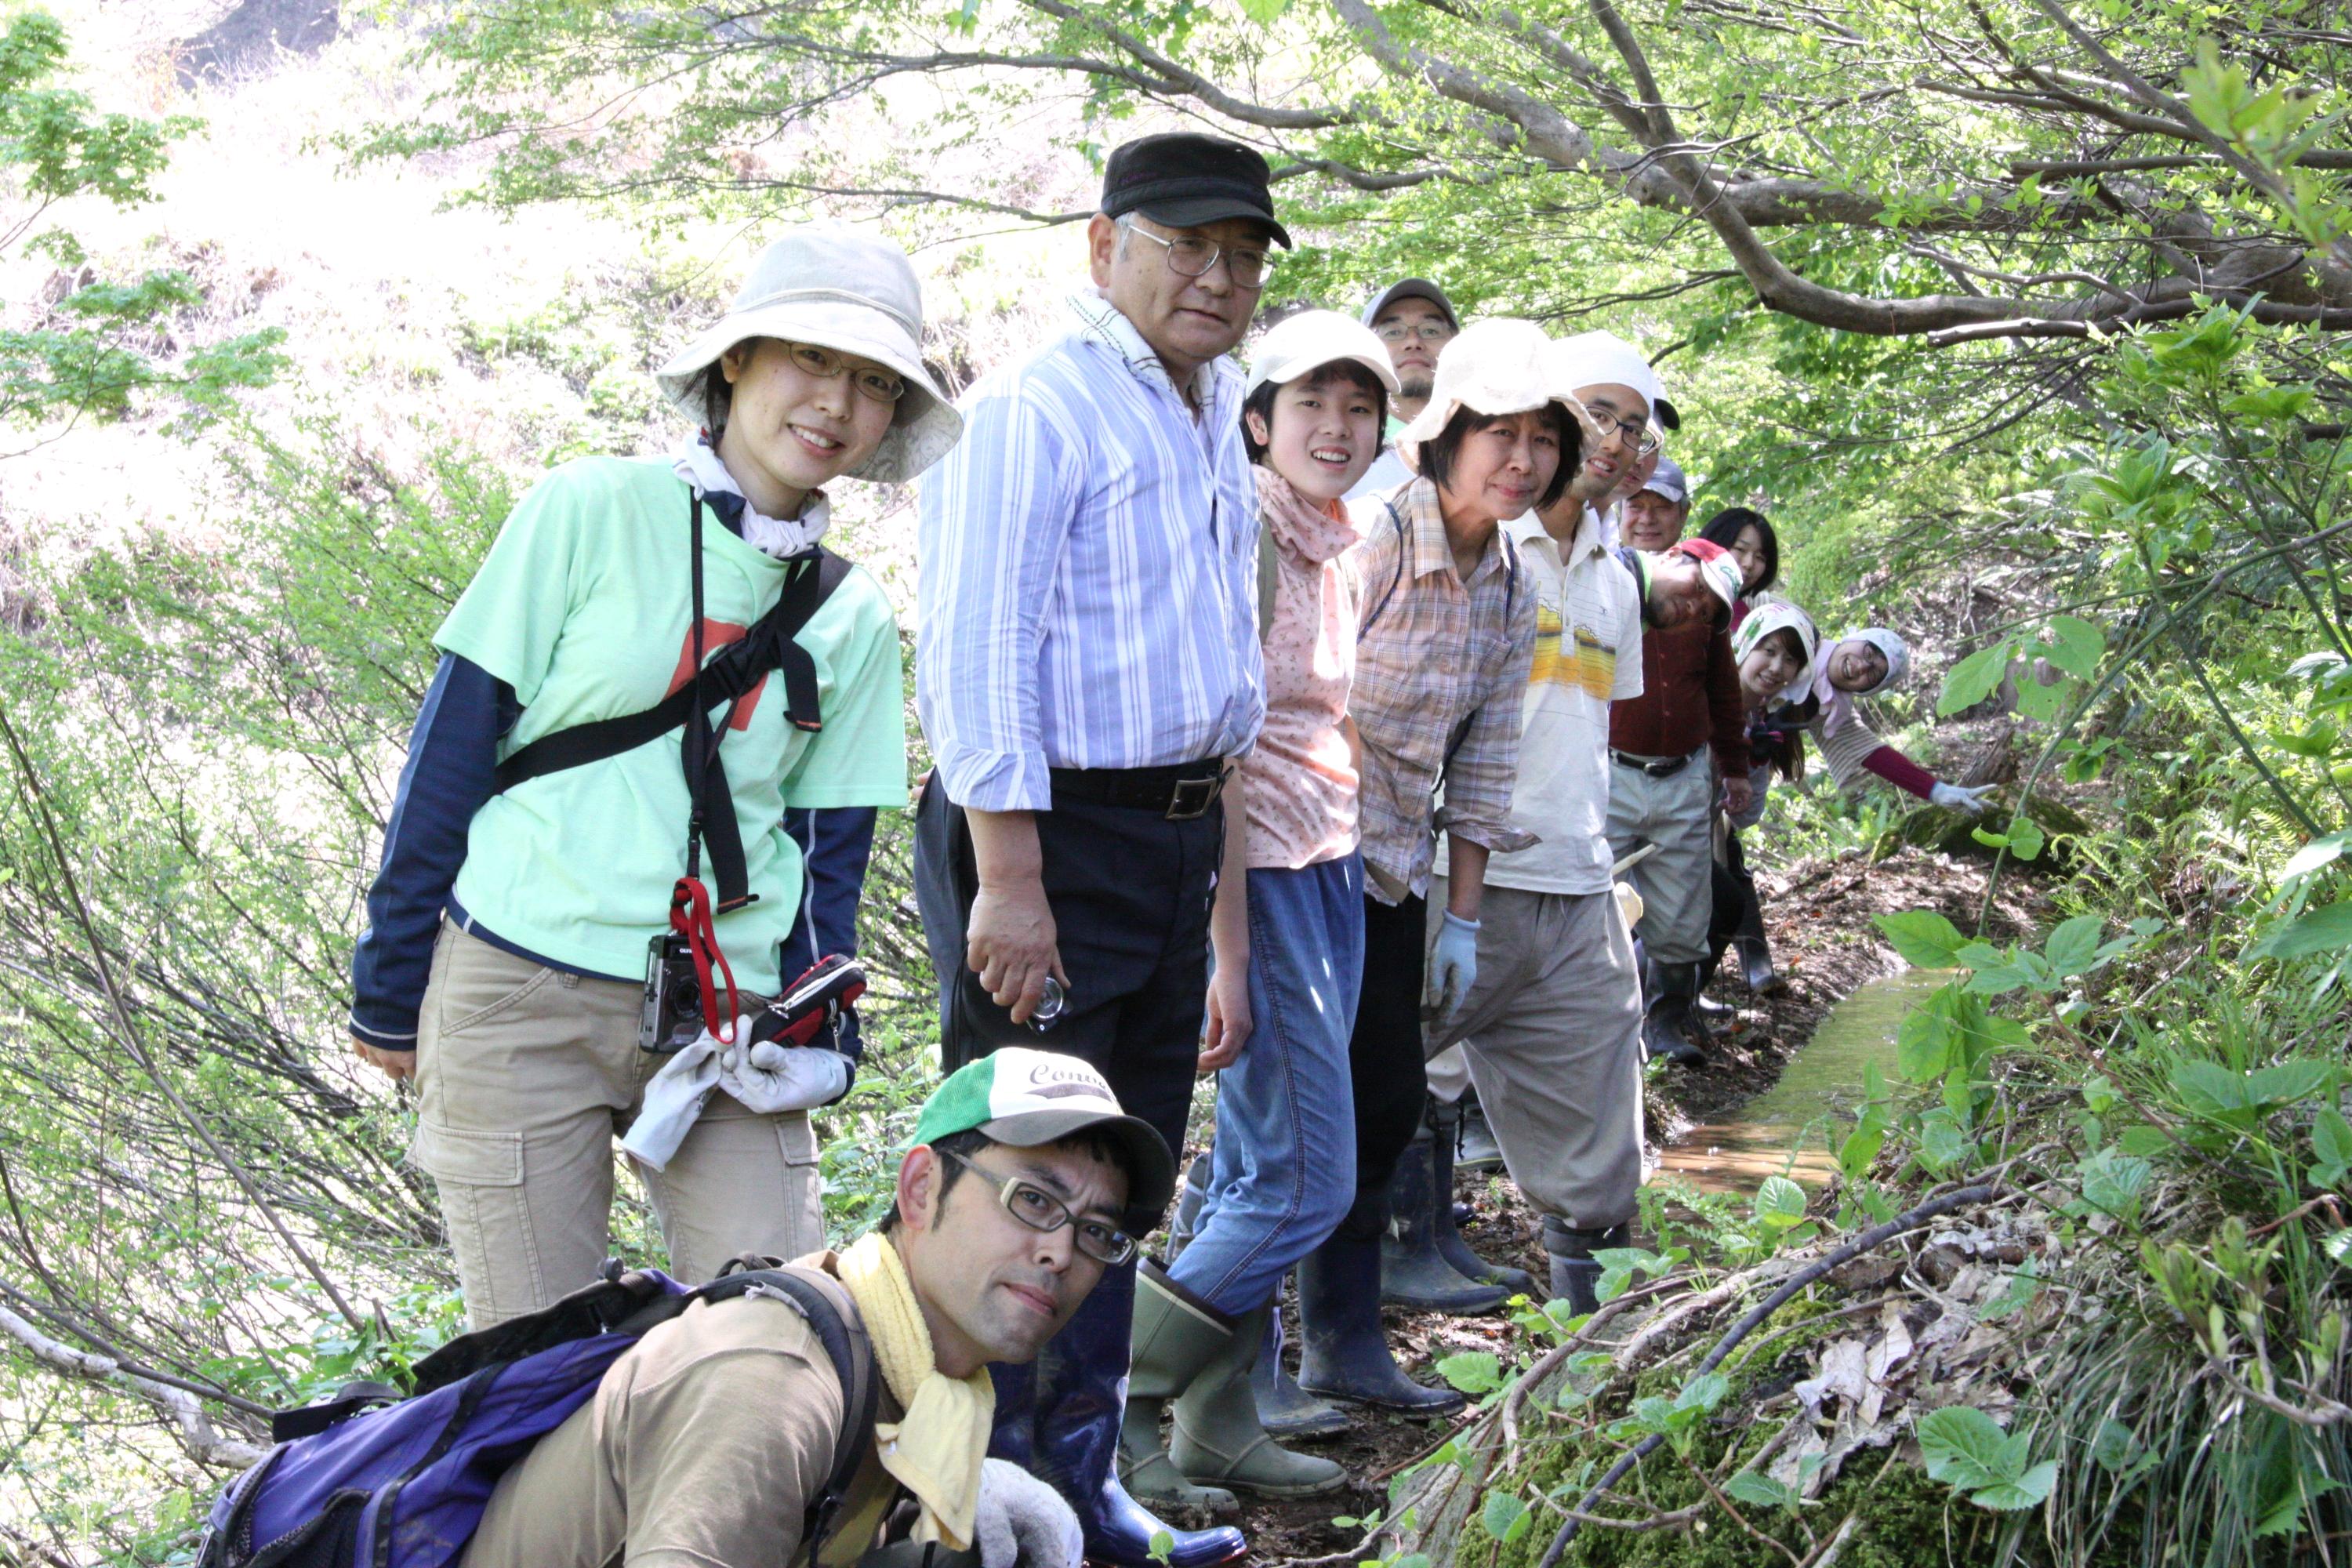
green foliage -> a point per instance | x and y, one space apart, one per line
1967 1452
88 354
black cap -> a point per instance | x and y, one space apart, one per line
1185 180
1665 413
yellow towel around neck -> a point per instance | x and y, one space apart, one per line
935 1452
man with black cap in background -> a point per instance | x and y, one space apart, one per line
1087 667
1414 321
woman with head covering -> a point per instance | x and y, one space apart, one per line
1446 631
1775 647
547 864
1312 416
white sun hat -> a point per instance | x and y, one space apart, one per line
1313 339
832 287
1498 366
1593 359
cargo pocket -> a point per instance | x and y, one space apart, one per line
488 1216
473 1158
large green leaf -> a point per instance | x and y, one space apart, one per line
1975 678
1924 938
2074 946
2323 930
2075 645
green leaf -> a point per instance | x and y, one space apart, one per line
1779 1203
2025 839
1924 938
1163 1543
2287 1083
1923 1045
1963 1447
2323 930
2316 855
2113 1182
2074 945
2337 1244
2331 1140
2212 1091
1504 1516
2143 1141
1473 1371
1762 1490
2075 646
1704 1391
2027 1490
1975 678
1942 1144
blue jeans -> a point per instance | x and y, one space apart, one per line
1285 1158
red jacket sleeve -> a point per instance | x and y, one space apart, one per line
1728 712
1900 771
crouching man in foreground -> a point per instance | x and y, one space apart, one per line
703 1445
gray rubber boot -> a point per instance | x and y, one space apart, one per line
1575 1273
1220 1442
1177 1335
1284 1408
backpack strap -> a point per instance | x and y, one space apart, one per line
827 1303
1269 579
1372 620
739 669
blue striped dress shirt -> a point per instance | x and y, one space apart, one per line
1088 554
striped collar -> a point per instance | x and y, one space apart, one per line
1098 320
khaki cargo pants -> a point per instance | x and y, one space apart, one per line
526 1075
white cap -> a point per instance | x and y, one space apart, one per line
1312 339
1596 358
1498 366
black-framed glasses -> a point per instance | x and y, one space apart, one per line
1428 331
1189 256
1641 438
1039 1209
871 381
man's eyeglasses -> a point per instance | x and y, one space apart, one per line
871 381
1041 1210
1641 438
1189 256
1427 331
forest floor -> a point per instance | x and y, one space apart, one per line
1817 915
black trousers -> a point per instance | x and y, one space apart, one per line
1737 911
1384 1055
1130 893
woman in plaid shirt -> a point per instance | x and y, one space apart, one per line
1446 633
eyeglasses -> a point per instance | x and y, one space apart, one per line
1189 256
1041 1210
1641 438
1427 331
871 381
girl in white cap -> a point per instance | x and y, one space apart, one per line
1291 954
641 624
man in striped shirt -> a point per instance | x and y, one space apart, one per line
1086 666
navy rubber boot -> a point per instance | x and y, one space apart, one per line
1413 1272
1446 1123
1284 1408
1013 1437
1346 1357
1575 1272
1081 1400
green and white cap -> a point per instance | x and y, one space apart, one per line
1026 1098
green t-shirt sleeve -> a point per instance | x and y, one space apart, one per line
511 615
859 758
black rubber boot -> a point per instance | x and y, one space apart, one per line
1346 1357
1713 1017
1413 1272
1284 1408
1575 1273
1666 1023
1445 1122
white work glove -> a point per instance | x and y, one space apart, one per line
1960 797
1022 1522
766 1078
1453 964
1629 904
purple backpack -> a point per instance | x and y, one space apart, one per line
372 1479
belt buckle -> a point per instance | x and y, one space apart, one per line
1181 806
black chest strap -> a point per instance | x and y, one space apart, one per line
768 646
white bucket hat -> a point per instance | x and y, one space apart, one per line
833 287
1313 339
1498 366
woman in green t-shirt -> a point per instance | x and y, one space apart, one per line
516 910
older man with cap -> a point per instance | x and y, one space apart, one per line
1654 515
1414 321
1088 668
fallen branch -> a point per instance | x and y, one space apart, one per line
1909 1220
198 1434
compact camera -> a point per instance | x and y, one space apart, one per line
807 1013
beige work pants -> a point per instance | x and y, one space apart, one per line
525 1076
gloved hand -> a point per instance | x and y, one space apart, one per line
766 1078
1629 904
1022 1522
1453 963
1960 797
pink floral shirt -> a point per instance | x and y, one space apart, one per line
1298 785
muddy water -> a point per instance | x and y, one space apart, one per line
1788 1129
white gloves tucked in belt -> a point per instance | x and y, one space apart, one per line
766 1078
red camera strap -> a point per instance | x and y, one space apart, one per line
689 917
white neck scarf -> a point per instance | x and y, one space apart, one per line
698 464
